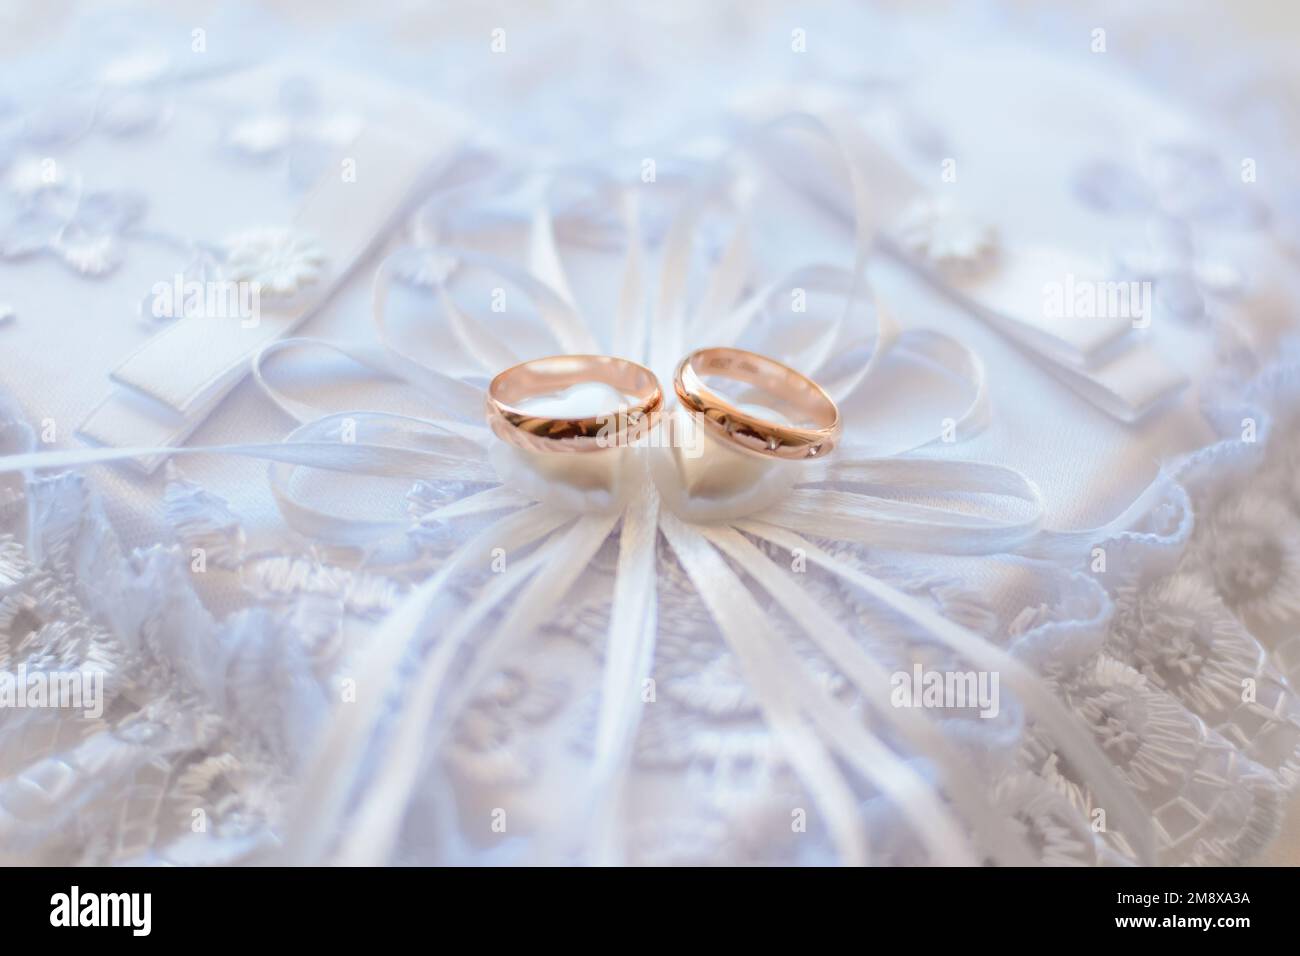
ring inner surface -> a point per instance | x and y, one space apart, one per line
555 374
782 389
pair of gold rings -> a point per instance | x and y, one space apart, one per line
800 398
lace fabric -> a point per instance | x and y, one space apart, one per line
1172 640
1177 658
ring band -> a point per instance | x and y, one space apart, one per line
618 428
749 432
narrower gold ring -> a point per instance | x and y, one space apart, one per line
618 428
805 399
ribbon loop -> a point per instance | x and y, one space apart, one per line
894 524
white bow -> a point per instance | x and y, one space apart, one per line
857 497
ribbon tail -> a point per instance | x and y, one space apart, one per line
629 323
357 457
329 779
544 255
1057 545
628 659
447 393
566 562
895 526
559 309
732 608
488 500
1073 740
377 822
916 800
726 283
996 838
670 306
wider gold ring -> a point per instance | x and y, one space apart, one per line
801 396
620 427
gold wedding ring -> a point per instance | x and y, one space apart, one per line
620 427
803 399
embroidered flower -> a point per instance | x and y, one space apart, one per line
1180 636
1185 276
1049 824
422 268
1151 739
297 129
13 563
204 523
283 261
51 214
1251 546
936 231
1179 188
20 616
1177 180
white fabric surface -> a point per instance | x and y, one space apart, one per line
219 705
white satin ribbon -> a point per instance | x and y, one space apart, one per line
375 825
809 725
170 385
993 832
633 622
310 833
1065 729
1098 358
893 524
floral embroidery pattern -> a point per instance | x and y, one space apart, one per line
935 231
298 130
281 261
50 213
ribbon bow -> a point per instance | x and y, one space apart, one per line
859 496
